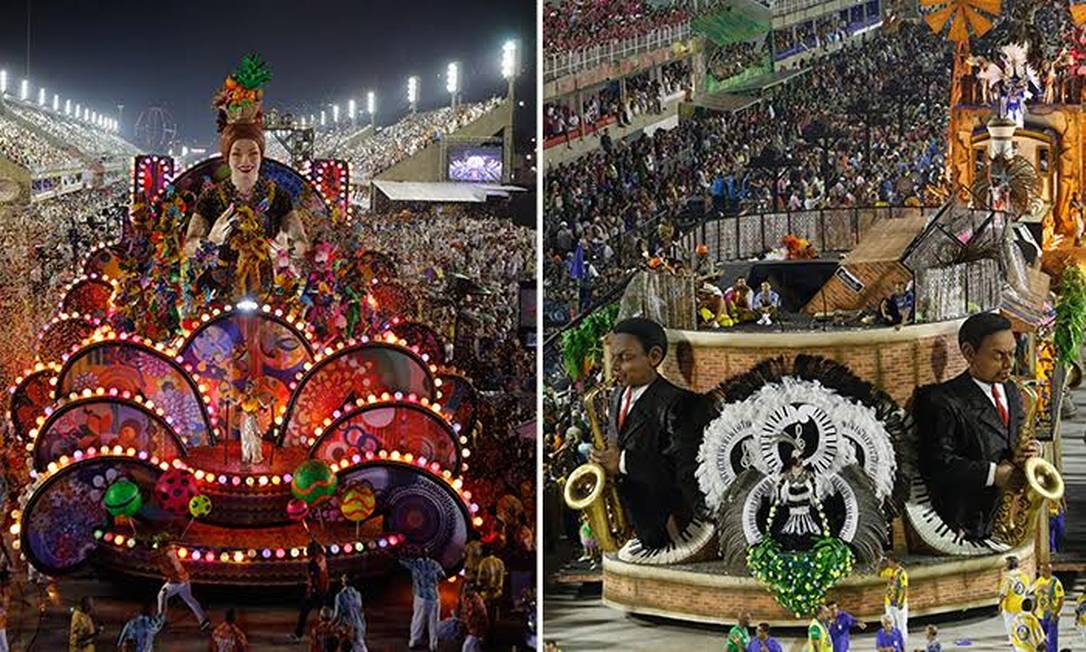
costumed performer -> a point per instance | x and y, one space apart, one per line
1014 587
1048 591
818 634
1027 635
177 583
426 575
896 599
349 612
252 449
969 429
658 430
739 298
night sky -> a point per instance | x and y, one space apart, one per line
105 52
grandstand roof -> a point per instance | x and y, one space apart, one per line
443 191
740 21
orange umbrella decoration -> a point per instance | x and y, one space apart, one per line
966 18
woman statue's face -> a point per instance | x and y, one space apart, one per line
245 160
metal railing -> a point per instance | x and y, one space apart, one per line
573 61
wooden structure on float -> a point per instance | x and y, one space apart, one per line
871 270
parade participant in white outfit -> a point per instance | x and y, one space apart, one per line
426 574
349 612
177 583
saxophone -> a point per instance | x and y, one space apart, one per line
588 488
1018 510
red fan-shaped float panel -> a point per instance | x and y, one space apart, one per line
89 296
104 421
141 370
29 400
458 399
61 335
349 374
403 427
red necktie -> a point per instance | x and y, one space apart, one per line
625 408
999 406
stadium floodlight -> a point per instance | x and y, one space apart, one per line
322 118
352 109
77 113
67 107
510 62
184 150
3 82
452 81
56 102
312 120
24 89
413 92
371 108
41 97
335 113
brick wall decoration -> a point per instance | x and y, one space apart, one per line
702 593
895 360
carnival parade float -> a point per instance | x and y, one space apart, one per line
811 470
240 398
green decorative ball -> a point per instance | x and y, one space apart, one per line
123 498
199 506
314 482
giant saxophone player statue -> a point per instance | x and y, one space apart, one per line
656 428
970 429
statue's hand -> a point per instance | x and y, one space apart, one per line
223 226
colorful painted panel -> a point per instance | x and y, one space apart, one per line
424 509
233 349
353 373
131 367
60 335
104 261
458 399
393 300
332 180
60 518
90 297
398 427
153 174
29 399
104 422
424 338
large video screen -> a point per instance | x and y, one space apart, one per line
475 164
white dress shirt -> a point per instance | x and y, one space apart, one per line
987 389
633 393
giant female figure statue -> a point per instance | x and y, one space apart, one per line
222 209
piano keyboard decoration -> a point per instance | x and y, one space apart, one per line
936 534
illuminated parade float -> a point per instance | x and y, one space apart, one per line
820 359
240 392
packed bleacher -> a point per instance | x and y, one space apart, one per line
643 96
611 201
30 150
371 154
569 25
96 143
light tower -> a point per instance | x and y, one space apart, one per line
24 89
352 110
413 93
371 108
3 83
510 67
452 83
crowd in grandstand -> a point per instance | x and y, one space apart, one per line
644 95
95 143
433 245
857 156
569 25
30 150
371 154
734 58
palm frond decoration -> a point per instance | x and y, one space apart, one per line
252 73
967 18
1078 14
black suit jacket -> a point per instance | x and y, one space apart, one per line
961 435
660 437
